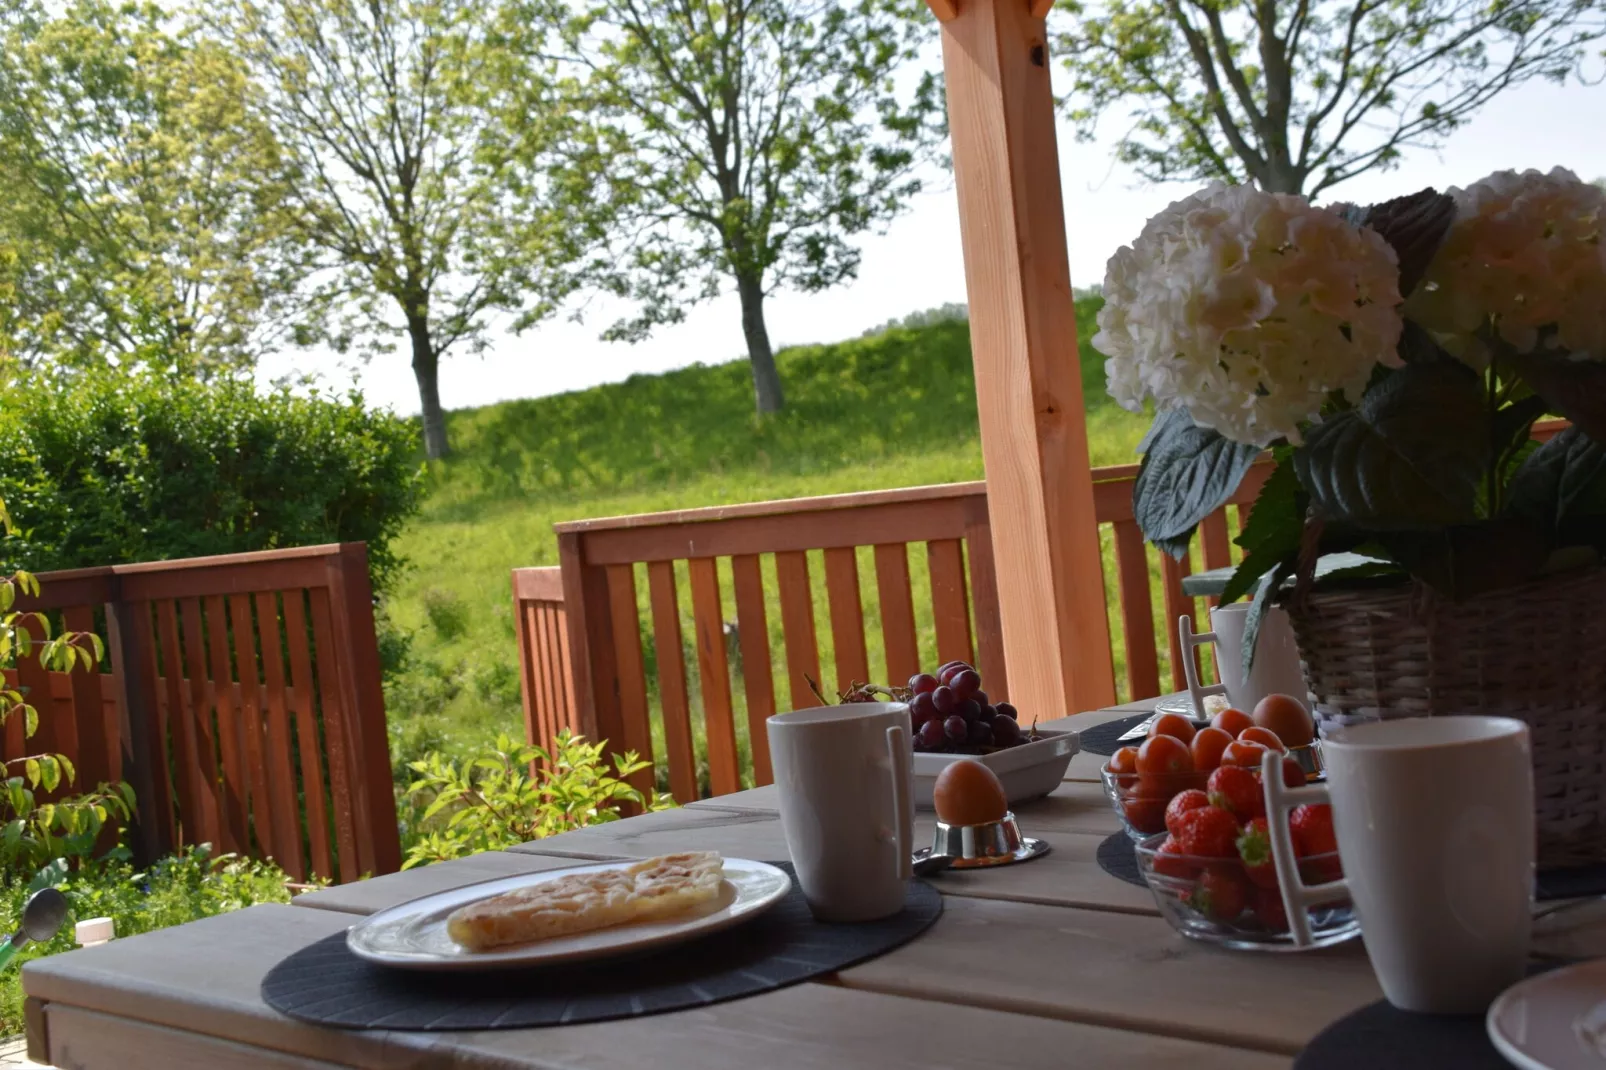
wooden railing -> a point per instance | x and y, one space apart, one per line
242 701
591 677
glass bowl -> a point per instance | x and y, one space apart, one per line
1213 900
1140 799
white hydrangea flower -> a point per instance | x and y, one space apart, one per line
1525 254
1247 309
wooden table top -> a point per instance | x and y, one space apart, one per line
1027 965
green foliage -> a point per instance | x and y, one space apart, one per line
492 801
106 467
746 142
413 133
135 221
1300 97
1187 473
447 613
177 889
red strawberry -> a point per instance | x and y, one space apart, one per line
1209 832
1267 903
1181 803
1168 864
1311 826
1221 894
1254 847
1238 790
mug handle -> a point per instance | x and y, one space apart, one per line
1190 665
1297 895
900 752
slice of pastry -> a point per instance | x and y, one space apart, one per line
650 890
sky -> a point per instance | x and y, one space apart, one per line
917 263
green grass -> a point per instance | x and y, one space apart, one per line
895 409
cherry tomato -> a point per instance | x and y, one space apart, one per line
1222 893
1243 752
1293 774
1168 864
1164 754
1232 721
1172 724
1124 764
1146 813
1264 736
1208 745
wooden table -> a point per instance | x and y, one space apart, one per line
1048 964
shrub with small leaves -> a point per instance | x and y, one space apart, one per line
493 801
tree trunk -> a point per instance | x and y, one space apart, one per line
766 380
426 369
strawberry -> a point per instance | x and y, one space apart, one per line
1254 847
1167 864
1221 894
1267 903
1311 827
1237 789
1208 832
1181 803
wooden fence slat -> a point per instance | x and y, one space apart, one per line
758 675
1176 604
896 599
234 792
252 724
143 728
199 712
95 746
1217 543
1137 611
540 624
340 741
530 664
672 680
950 603
280 759
847 617
990 660
797 627
632 674
713 667
33 678
565 710
302 692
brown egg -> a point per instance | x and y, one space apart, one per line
1287 717
968 793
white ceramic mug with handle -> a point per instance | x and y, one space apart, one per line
1434 818
846 788
1277 669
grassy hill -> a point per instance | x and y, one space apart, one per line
894 409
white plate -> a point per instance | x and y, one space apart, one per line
1555 1021
413 935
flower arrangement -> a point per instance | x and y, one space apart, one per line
1393 358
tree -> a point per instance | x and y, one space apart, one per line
394 119
1300 95
132 225
748 141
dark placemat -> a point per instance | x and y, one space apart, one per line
1119 859
1105 738
327 985
1575 882
1382 1037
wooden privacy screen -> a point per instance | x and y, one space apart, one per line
242 702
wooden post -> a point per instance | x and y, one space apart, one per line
144 757
1023 335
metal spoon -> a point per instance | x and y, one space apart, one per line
42 916
927 864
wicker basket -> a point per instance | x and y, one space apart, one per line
1535 652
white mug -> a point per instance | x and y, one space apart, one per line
1435 824
1277 669
846 790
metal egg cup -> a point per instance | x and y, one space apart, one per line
995 843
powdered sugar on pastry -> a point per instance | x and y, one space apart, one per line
649 890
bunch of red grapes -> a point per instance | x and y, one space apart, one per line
951 714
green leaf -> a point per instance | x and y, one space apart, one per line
1463 560
1414 225
1564 478
1574 388
50 773
1273 532
1187 474
1265 596
32 771
1410 456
